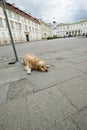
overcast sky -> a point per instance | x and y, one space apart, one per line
61 10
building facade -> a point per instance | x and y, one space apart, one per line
45 30
73 29
23 26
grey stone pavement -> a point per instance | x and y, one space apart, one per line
55 100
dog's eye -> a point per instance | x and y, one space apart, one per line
42 66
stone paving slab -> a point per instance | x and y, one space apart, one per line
43 110
34 102
76 91
81 67
77 59
81 119
47 108
45 80
19 88
3 93
84 77
15 89
14 115
12 73
39 80
60 64
67 124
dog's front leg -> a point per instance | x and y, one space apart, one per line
28 69
47 66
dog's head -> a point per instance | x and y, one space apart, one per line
42 67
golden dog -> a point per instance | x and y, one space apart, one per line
32 62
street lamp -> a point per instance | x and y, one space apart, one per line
7 21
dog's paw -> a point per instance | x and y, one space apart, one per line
47 66
29 72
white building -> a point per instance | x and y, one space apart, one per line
72 29
45 30
24 27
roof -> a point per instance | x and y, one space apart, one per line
61 24
22 12
40 20
76 22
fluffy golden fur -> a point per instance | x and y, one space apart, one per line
32 62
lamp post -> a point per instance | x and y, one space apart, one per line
7 21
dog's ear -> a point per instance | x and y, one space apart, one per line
37 66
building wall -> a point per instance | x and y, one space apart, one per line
45 30
73 29
23 28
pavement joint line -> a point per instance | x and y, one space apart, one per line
82 79
85 107
53 85
13 80
68 99
79 70
70 61
75 122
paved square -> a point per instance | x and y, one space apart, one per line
56 100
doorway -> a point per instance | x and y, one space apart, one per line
27 37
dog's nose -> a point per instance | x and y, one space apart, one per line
46 70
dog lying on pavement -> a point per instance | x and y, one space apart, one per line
32 62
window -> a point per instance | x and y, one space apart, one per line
14 35
36 31
14 15
12 24
9 14
54 28
3 34
67 27
44 33
24 19
18 25
54 22
5 23
18 17
1 11
33 29
1 23
29 21
25 27
30 28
